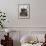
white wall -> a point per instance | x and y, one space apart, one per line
37 14
37 21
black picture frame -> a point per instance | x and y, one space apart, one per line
23 11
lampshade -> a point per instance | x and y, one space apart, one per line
7 30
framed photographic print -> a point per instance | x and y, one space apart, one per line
24 11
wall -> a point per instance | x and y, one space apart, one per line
37 19
37 13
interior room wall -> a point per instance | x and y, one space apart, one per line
37 13
36 22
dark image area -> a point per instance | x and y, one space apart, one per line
23 12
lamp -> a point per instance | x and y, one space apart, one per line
7 31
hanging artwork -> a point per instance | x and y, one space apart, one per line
24 11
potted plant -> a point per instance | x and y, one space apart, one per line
2 19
